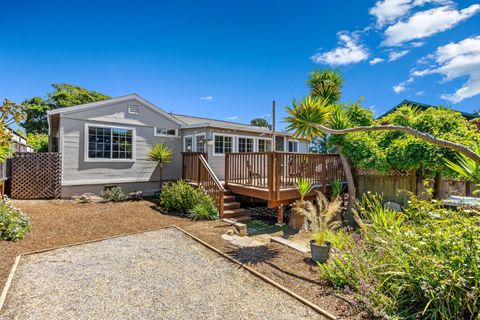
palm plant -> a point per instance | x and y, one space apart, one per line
326 84
162 155
466 167
304 186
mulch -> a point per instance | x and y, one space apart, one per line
62 222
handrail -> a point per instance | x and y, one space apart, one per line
212 174
210 184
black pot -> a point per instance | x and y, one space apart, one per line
321 253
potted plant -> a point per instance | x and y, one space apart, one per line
319 246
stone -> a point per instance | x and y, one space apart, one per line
393 206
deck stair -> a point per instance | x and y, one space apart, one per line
232 209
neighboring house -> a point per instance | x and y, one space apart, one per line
18 144
106 143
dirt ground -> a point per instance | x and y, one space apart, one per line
60 222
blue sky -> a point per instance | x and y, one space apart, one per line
230 59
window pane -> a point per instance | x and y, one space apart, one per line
279 146
171 132
218 144
200 143
189 144
228 144
102 141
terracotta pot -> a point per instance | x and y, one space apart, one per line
321 253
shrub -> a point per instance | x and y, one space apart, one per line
182 197
14 224
115 194
205 210
424 264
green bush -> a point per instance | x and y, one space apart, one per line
182 197
115 194
14 224
205 210
423 263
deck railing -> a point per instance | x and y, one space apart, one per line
280 170
197 170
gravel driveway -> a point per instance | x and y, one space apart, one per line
161 274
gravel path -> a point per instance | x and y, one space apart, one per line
162 274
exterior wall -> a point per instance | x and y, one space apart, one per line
79 175
148 188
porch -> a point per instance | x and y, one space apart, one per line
270 176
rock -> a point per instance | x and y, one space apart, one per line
298 214
230 232
393 206
242 242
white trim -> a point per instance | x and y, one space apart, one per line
185 143
126 98
257 144
86 158
246 137
295 141
156 134
223 135
104 181
130 106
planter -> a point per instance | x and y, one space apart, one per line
321 253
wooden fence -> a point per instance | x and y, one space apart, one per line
36 175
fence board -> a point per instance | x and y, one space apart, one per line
36 175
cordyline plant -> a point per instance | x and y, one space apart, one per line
162 155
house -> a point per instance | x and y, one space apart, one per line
18 143
105 143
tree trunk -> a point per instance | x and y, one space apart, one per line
352 191
418 134
161 176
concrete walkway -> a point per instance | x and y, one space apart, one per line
161 274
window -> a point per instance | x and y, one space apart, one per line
200 143
264 145
245 144
279 146
223 144
110 143
165 132
188 144
133 109
292 146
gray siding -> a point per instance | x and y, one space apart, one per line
77 171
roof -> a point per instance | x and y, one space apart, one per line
128 97
423 106
195 122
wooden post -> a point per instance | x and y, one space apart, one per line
280 211
324 174
227 168
273 127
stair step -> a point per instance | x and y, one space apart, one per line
231 205
232 213
228 198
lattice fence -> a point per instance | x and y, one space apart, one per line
36 175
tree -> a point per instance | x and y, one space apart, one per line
10 113
162 155
260 122
38 141
64 95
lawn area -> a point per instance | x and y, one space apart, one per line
60 222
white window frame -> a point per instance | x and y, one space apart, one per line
198 135
156 134
223 135
294 141
258 144
185 143
86 158
246 137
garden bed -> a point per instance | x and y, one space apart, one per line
61 222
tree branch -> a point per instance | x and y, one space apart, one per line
418 134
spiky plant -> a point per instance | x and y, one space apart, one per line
326 85
466 167
304 186
304 115
162 155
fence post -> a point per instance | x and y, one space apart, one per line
227 168
324 174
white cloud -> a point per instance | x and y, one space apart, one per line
417 44
206 98
420 93
395 55
399 88
375 61
427 23
457 60
232 118
389 11
349 51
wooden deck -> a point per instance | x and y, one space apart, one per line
270 176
